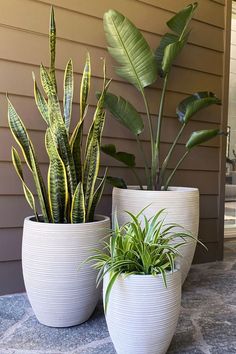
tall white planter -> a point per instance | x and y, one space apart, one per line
60 293
182 207
142 314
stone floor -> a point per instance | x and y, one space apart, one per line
207 322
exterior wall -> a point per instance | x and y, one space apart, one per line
24 45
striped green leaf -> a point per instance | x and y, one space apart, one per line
57 182
18 167
97 197
85 86
52 45
41 102
76 149
68 93
78 206
91 168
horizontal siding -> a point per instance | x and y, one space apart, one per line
24 44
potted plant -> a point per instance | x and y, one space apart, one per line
140 66
142 285
62 235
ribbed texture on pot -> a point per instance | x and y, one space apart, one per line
142 313
60 293
182 207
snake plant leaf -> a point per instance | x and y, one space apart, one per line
76 149
179 22
97 197
201 136
116 182
124 157
194 103
130 49
18 167
52 45
124 112
40 102
19 133
91 169
85 87
40 188
68 93
57 181
78 207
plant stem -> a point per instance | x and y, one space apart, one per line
165 163
149 183
156 159
145 160
137 177
174 170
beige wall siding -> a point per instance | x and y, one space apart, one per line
24 44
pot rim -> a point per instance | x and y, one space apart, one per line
101 219
146 276
136 188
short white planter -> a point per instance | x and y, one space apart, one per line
60 293
182 207
142 314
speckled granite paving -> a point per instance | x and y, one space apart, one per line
207 322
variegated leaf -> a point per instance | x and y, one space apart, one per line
91 169
68 93
76 149
57 182
97 197
78 206
85 86
41 102
52 45
18 167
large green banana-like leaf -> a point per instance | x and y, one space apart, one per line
18 167
124 157
57 181
179 22
130 49
91 168
85 87
170 54
201 136
20 135
52 45
124 112
172 44
78 207
194 103
97 197
41 102
68 93
76 149
116 182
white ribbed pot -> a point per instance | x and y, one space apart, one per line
60 292
142 314
182 207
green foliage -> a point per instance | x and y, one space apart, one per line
136 65
142 246
201 137
74 188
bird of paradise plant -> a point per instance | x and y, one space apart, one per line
140 66
73 188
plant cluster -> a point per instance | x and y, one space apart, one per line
140 66
142 246
73 188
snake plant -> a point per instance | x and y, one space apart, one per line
73 188
140 66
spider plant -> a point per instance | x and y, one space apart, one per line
141 246
140 66
73 188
